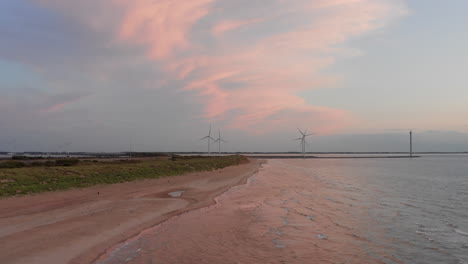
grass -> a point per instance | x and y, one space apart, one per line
28 180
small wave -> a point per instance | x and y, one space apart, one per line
426 235
463 233
277 243
277 232
409 205
452 225
358 237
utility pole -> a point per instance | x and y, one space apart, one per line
411 142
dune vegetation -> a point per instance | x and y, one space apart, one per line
36 177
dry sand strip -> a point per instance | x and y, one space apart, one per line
77 226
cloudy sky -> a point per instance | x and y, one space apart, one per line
152 75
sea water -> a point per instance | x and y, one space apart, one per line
323 211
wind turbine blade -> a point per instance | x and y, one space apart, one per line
296 139
223 140
309 134
204 138
302 133
209 131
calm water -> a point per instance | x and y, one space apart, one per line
323 211
422 204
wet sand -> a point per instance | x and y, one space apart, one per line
77 226
284 214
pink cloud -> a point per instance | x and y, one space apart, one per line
53 108
229 25
161 25
56 103
252 80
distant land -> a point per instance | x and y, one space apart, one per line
7 154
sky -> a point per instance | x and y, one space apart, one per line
153 75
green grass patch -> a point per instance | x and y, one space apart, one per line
12 164
15 179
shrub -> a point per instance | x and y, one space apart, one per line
66 162
12 164
49 163
18 157
21 157
122 161
37 164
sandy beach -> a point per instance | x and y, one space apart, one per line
285 213
77 226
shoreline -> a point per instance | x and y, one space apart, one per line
81 225
108 252
285 214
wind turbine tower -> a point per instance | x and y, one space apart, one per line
219 141
411 142
303 140
209 138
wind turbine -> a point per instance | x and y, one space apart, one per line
209 138
303 140
219 141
